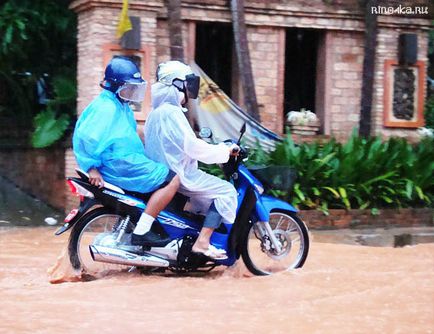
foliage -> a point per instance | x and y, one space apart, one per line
429 112
359 174
48 129
37 37
212 169
48 126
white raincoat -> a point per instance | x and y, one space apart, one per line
170 140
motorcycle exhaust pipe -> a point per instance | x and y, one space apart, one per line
119 256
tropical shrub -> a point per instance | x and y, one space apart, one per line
37 40
429 112
361 173
51 124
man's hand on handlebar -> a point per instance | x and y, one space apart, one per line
234 150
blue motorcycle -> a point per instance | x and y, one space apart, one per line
267 233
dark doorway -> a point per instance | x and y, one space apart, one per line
213 52
300 69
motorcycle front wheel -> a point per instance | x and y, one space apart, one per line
96 225
259 254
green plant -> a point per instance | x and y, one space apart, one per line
27 52
429 112
51 124
361 173
48 128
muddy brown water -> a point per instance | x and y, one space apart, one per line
341 289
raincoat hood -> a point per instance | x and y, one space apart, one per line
162 93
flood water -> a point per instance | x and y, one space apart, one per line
341 289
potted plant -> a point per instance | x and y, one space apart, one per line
303 122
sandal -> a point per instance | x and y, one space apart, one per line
216 250
213 254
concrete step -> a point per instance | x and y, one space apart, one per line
378 237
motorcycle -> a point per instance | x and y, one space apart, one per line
267 232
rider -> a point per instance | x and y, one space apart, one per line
169 139
107 146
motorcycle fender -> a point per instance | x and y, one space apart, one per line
85 205
266 204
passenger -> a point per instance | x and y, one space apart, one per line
107 146
169 139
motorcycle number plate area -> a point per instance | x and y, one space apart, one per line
71 215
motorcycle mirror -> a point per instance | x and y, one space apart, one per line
205 133
242 131
243 128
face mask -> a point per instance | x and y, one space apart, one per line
181 97
133 92
192 83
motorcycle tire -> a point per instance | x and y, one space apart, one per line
255 255
75 250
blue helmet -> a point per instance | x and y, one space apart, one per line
123 78
122 70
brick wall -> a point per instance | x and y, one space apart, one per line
387 48
346 50
40 172
341 20
363 218
266 46
97 28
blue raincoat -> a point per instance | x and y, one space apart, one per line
105 138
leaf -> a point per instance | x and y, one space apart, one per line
387 199
298 192
48 129
380 178
364 205
333 191
420 192
409 189
342 192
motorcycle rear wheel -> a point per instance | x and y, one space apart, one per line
293 235
95 223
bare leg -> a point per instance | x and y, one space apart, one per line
202 241
162 197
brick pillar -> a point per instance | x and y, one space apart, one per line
346 52
387 49
267 45
97 24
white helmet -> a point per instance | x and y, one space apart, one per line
179 75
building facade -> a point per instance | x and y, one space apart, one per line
304 54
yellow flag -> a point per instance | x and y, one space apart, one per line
124 21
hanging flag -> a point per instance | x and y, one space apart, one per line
214 109
124 21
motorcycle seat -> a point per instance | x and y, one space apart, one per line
175 206
85 176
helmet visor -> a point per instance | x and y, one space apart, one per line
193 83
134 92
